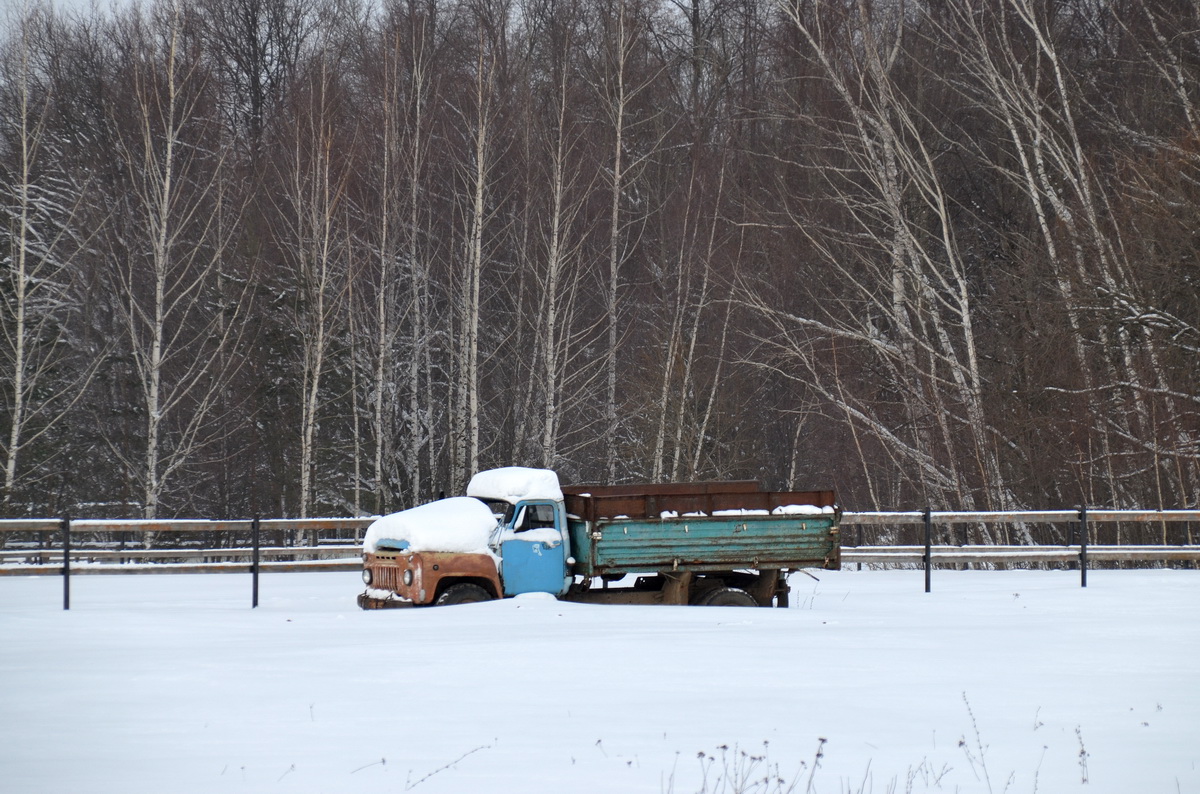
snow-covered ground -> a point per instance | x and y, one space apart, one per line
997 681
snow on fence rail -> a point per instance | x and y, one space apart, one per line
346 556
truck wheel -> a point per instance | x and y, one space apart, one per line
464 593
727 597
700 597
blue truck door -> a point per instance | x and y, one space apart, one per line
533 555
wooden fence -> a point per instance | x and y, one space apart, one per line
104 559
1077 549
116 553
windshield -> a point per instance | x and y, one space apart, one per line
501 509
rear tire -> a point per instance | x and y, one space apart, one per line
727 597
464 593
702 593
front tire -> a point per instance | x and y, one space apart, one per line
463 593
727 597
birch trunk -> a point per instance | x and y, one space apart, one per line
420 411
23 279
555 265
617 109
36 269
466 458
315 193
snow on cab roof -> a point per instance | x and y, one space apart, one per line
514 483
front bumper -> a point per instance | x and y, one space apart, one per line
368 601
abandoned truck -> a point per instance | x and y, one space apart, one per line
517 531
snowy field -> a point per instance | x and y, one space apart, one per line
997 681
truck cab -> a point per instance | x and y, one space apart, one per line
506 537
534 549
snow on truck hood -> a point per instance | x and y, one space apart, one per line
459 524
514 483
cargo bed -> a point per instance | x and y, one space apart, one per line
715 526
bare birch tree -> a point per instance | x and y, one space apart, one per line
1021 78
172 242
479 121
559 187
624 74
39 239
314 180
384 308
422 46
705 59
906 296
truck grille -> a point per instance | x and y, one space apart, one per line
385 572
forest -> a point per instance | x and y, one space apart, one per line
330 257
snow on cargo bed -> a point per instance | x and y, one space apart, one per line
803 510
782 510
459 524
514 483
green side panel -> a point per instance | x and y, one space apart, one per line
709 543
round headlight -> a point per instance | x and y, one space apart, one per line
366 575
407 577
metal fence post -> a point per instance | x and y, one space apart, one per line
928 547
254 564
1083 543
66 567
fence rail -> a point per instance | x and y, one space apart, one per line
290 566
1009 554
1081 517
155 526
1019 516
92 554
91 561
107 560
